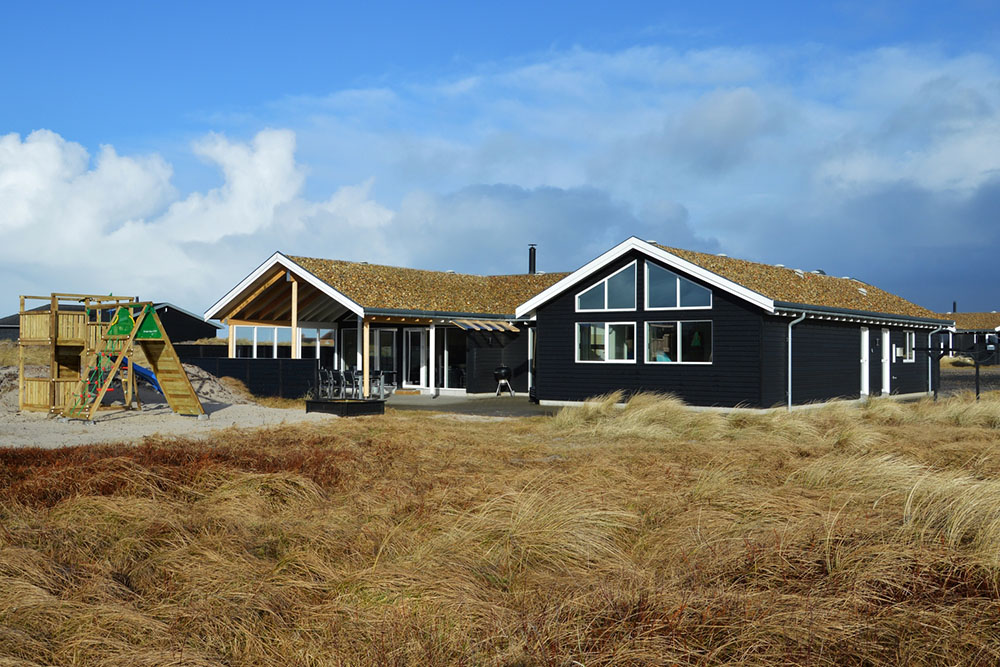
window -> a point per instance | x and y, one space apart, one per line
605 341
665 289
911 340
679 342
616 292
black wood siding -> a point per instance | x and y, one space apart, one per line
486 351
733 378
909 377
826 361
288 378
182 327
774 352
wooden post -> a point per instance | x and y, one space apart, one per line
20 362
365 361
274 344
317 344
254 354
296 343
53 364
232 340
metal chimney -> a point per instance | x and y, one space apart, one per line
531 258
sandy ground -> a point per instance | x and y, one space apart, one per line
225 410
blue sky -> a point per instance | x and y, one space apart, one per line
165 149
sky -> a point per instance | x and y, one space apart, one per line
165 150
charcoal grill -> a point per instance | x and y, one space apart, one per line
503 374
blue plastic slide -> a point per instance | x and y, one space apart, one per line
147 375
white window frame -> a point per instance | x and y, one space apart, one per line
604 283
605 360
646 266
680 351
909 342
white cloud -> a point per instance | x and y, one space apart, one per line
115 224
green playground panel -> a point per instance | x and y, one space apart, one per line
121 323
148 329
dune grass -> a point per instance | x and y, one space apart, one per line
644 534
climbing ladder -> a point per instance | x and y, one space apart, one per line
113 358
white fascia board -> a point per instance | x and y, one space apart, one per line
650 250
277 259
167 304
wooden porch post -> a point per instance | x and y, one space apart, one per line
296 345
364 361
232 339
254 354
361 325
317 344
274 344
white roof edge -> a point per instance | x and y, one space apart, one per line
278 259
160 304
635 243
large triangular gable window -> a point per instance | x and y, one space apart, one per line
616 292
666 290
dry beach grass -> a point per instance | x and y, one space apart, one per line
648 534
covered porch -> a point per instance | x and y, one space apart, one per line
418 351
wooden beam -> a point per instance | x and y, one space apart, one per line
256 293
268 302
232 339
260 323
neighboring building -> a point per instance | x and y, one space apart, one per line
974 330
182 325
426 330
179 324
715 330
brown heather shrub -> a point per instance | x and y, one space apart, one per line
643 534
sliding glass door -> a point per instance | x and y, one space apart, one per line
415 357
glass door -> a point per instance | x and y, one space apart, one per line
382 353
415 358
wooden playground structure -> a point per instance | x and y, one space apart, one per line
91 341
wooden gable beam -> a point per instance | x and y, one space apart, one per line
256 293
266 310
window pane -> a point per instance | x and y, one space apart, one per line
350 356
693 295
592 299
387 350
661 341
591 342
621 289
621 342
696 341
662 288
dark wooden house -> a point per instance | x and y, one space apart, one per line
973 333
718 331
